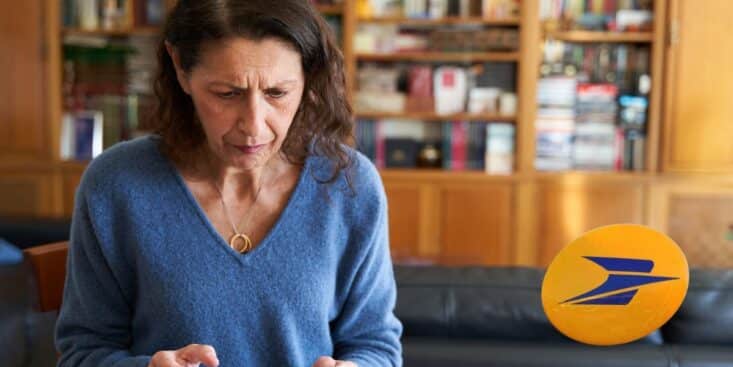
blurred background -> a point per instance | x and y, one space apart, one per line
503 129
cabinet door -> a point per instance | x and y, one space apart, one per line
31 194
476 223
699 87
698 215
22 102
71 179
567 209
404 206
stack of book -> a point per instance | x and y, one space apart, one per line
597 140
555 123
456 145
107 92
94 15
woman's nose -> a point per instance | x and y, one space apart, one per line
251 119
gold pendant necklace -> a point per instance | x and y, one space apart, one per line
239 241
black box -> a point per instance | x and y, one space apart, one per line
400 152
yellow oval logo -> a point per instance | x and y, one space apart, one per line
615 284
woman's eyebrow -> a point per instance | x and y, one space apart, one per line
282 83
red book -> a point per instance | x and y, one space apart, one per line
379 160
619 159
459 137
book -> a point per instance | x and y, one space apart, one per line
82 135
499 148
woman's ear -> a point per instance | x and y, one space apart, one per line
180 74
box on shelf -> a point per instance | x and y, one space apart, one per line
450 85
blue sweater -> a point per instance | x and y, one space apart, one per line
147 271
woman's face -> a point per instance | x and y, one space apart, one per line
246 94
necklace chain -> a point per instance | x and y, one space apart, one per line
237 234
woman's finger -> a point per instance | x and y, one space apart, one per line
199 353
325 361
345 364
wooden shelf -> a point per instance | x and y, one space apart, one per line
431 116
592 175
440 174
441 21
138 31
439 56
560 176
591 36
336 9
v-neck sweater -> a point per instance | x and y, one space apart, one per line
147 271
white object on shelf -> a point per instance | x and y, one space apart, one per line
508 104
449 89
499 148
483 100
88 14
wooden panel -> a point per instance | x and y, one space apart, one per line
476 224
49 267
568 208
70 183
653 128
698 215
404 215
22 100
27 195
530 58
698 108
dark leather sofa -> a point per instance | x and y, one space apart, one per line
492 316
26 334
25 232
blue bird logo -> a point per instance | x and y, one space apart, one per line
622 283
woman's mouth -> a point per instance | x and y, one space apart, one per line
249 149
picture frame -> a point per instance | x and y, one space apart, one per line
82 136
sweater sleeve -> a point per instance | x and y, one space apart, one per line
367 331
93 327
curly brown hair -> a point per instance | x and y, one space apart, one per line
322 125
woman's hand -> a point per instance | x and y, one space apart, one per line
330 362
191 355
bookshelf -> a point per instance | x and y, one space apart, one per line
330 9
436 215
136 31
434 117
596 36
448 20
439 56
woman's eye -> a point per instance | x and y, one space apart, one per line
276 93
227 95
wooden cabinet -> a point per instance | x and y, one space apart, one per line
699 87
23 128
404 207
476 223
698 215
570 205
71 176
28 194
450 219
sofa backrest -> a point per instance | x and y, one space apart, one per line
501 303
706 315
473 302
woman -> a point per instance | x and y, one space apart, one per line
244 232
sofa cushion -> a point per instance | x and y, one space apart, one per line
437 352
699 355
28 232
500 303
9 254
706 315
15 303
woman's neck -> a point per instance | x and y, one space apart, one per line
233 181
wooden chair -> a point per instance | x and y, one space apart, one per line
49 267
